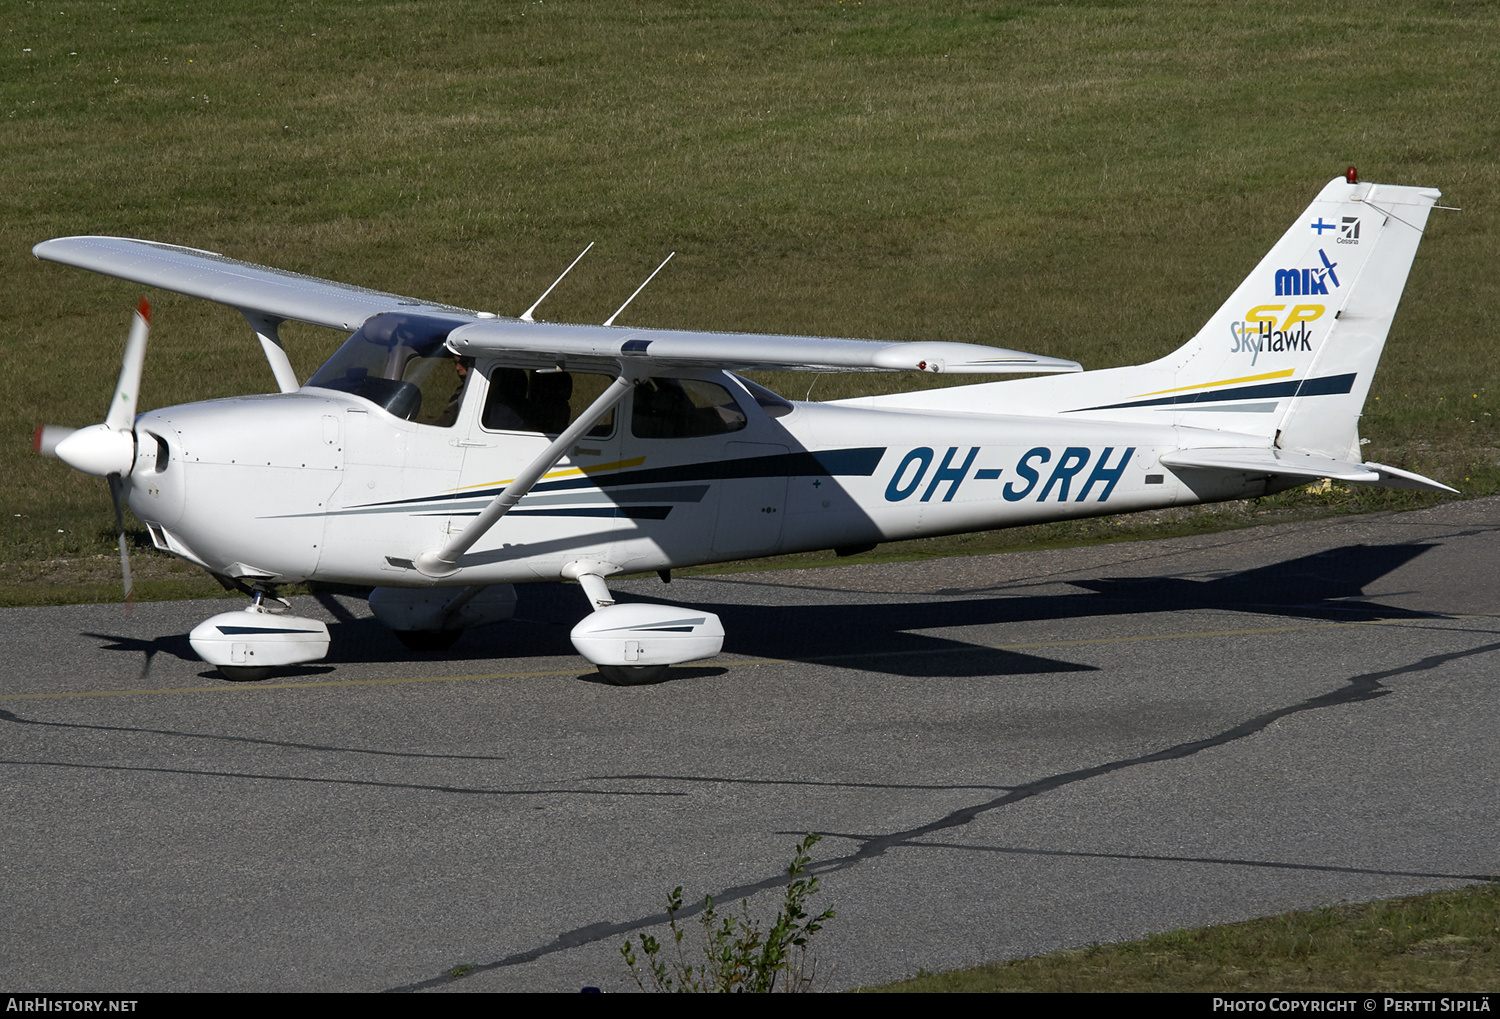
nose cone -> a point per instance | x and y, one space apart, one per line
98 450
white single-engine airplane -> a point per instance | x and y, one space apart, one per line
443 455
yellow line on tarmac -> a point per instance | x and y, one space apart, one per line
254 687
1202 633
1119 640
811 659
1238 633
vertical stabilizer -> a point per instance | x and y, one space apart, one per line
1291 354
1287 359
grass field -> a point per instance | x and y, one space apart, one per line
1085 180
1448 941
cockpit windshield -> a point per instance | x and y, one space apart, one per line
397 361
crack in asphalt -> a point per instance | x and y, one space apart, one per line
7 716
317 780
1217 860
1355 690
712 779
1359 688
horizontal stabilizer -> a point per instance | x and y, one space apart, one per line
1261 460
1257 460
672 348
1394 477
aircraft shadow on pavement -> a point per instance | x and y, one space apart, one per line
1322 586
880 637
877 637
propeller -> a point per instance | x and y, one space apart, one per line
107 450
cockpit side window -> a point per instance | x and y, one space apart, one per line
521 400
399 362
683 409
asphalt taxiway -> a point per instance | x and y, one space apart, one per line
1005 754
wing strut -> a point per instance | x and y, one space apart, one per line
265 327
443 562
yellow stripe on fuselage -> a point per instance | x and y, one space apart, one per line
1221 382
568 472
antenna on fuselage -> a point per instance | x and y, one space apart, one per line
526 315
611 320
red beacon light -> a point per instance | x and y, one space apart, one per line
1351 175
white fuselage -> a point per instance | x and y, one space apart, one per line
319 484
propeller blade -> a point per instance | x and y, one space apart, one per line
109 447
121 416
47 437
117 494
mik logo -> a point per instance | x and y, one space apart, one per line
1260 333
916 465
1306 282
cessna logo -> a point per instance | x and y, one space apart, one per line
1306 282
1348 231
1264 331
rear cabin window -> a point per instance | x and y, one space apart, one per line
521 400
774 405
683 409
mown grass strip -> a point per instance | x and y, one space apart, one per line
1083 180
1444 941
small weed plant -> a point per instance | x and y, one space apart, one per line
738 956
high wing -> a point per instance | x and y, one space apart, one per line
267 293
257 289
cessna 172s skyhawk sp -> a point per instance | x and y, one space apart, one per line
443 455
